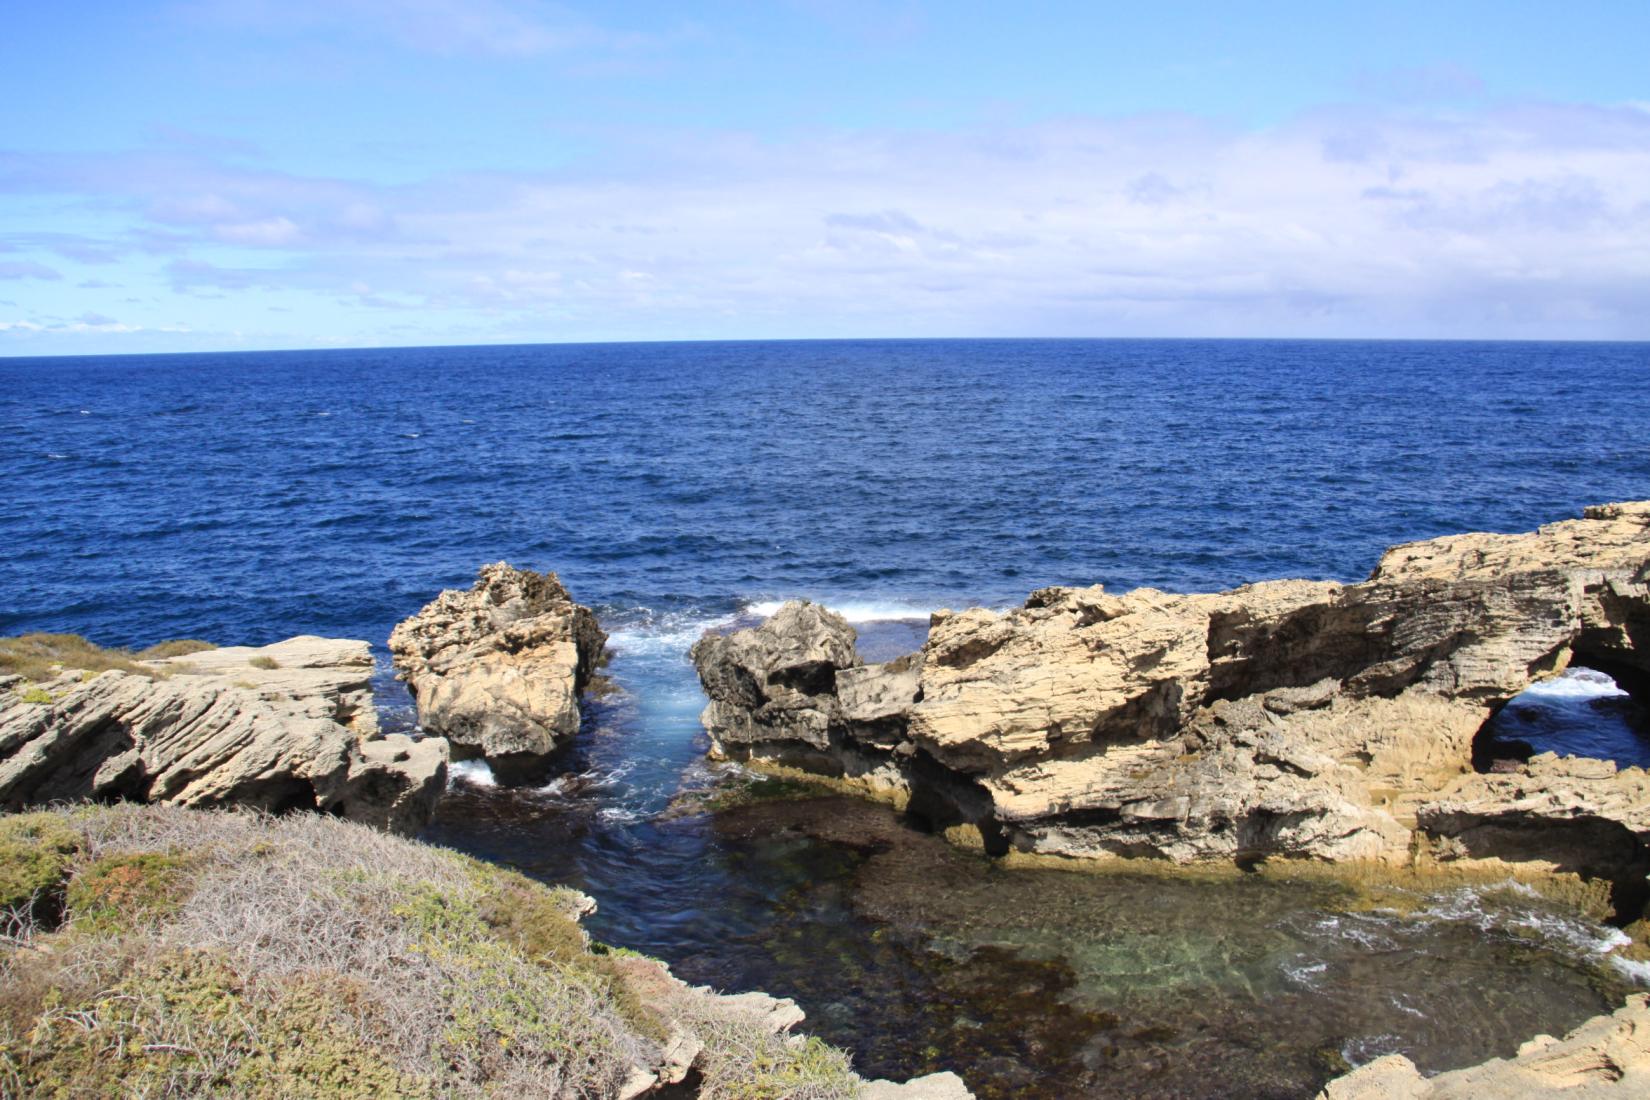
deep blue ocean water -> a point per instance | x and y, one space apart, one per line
247 496
244 498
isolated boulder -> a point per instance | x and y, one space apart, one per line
499 669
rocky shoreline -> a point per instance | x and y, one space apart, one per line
1304 722
289 726
1282 720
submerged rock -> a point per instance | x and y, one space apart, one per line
284 726
1287 718
1605 1058
499 669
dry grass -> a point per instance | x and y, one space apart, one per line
37 657
743 1060
178 647
233 954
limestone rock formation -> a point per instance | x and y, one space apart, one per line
499 669
1287 718
1606 1058
284 726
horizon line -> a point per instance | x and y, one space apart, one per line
5 357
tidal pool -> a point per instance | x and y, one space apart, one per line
1039 983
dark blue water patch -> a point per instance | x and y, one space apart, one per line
1582 713
943 472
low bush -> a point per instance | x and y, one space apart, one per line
178 647
38 657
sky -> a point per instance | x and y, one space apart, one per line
247 174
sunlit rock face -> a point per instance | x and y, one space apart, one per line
278 727
499 669
1287 718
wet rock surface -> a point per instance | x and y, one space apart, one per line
1605 1058
279 727
499 669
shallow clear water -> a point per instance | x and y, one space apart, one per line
246 498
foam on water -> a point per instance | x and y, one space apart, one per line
649 633
855 611
474 772
1578 684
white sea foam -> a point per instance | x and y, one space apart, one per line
667 633
1637 971
855 611
1305 974
1567 934
1574 684
474 772
54 454
1367 1048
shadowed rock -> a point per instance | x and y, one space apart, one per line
499 669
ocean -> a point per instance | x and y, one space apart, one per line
246 497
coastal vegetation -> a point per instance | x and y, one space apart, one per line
36 657
164 951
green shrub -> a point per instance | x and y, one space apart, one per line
535 921
39 696
119 892
185 1024
35 850
264 663
42 656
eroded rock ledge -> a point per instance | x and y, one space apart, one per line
499 669
1607 1057
279 727
1283 719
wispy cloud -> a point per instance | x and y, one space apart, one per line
26 269
1516 220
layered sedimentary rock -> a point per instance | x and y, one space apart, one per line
499 669
281 727
1606 1058
1287 718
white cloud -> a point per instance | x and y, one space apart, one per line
1517 221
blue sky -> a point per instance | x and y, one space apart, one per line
265 174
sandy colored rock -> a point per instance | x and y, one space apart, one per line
1288 718
499 669
1606 1058
220 730
935 1086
